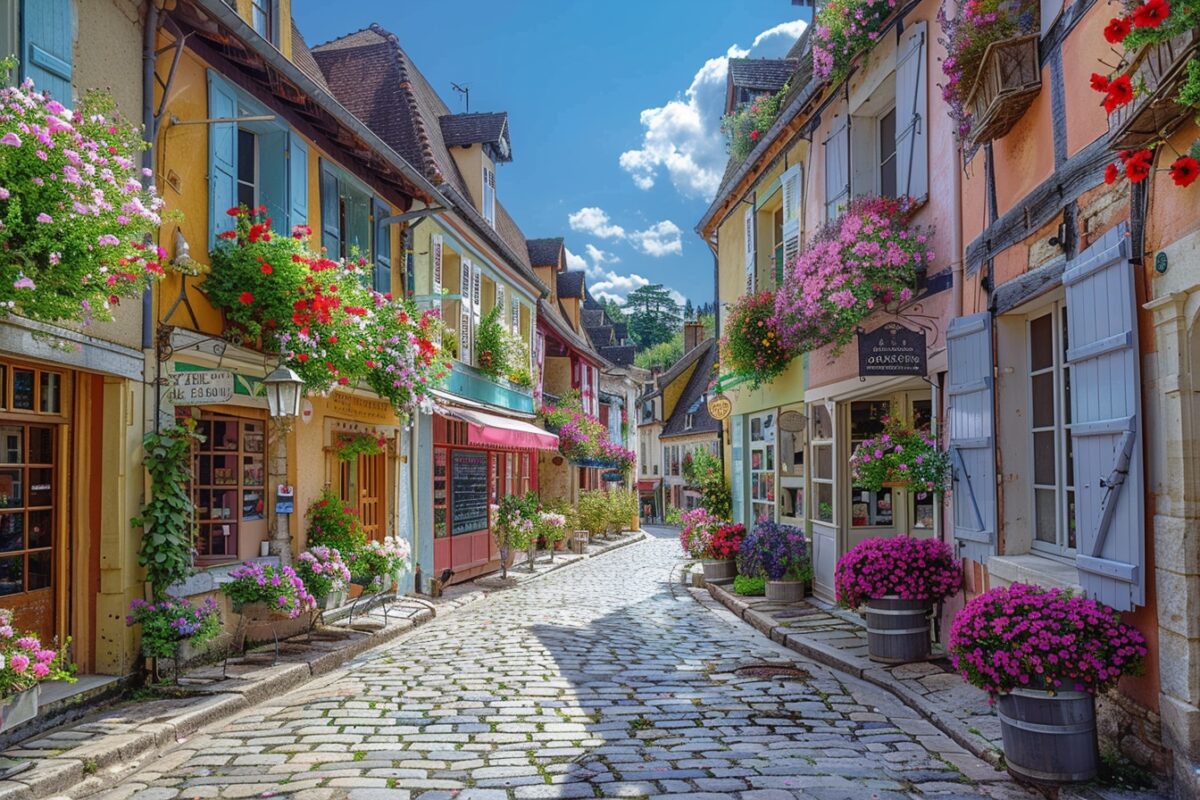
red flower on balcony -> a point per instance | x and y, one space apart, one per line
1151 14
1185 170
1111 173
1117 29
1120 92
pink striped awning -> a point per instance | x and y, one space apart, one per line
491 430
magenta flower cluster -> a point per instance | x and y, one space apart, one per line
868 255
842 30
696 532
280 588
913 569
1024 636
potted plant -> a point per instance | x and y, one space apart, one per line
713 541
901 458
1043 655
265 592
333 524
491 346
842 30
750 346
376 566
325 575
779 554
350 447
513 521
552 528
746 125
899 579
24 664
170 624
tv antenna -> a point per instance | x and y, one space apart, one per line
465 91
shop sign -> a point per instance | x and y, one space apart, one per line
792 421
891 349
719 407
200 387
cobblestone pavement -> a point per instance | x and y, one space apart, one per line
601 680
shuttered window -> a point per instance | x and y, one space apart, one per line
297 181
1053 512
751 277
489 195
382 276
837 166
465 315
912 130
436 256
970 400
47 37
791 187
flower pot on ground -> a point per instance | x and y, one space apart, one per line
715 542
19 708
264 591
785 591
721 571
779 554
899 579
24 663
325 574
552 528
513 522
375 566
1035 651
169 624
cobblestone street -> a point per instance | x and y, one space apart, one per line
602 680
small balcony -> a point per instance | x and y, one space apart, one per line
1155 112
471 384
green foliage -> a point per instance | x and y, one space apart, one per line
661 355
653 315
491 345
170 622
517 369
515 520
362 445
622 508
750 346
673 516
593 511
616 312
331 523
748 586
167 519
747 125
706 473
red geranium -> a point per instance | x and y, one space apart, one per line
1100 82
1117 29
1111 173
1138 164
1120 92
1185 170
1151 14
246 298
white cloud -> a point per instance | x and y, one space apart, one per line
660 239
575 262
616 287
599 258
683 136
596 222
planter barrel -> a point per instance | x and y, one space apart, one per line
1008 80
1049 738
898 630
18 709
723 570
785 591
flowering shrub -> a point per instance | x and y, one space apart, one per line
745 126
869 254
491 345
169 623
404 362
513 522
704 471
323 571
25 661
615 455
374 565
842 30
551 527
776 552
901 455
1026 636
966 36
914 569
1143 25
750 346
74 215
582 437
279 588
331 523
698 528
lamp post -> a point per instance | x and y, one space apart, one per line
284 389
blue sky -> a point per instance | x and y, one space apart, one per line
614 110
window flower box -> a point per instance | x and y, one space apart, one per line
1008 80
1159 69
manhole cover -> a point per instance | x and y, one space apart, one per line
769 672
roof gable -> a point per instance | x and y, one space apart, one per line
545 252
489 129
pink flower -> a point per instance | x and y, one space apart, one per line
11 139
19 663
44 218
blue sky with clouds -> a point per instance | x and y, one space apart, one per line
614 110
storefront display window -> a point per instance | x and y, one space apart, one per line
229 482
440 498
868 508
791 468
821 424
762 466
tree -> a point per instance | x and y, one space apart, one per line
689 311
654 316
614 310
661 355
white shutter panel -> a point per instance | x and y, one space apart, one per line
912 129
436 247
1050 9
837 166
971 405
476 298
791 187
489 195
1106 422
500 305
749 255
515 324
465 317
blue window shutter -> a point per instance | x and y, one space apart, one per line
738 469
912 145
971 401
331 225
297 181
1106 422
383 249
222 157
273 177
47 41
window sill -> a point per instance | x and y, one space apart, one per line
209 577
1034 569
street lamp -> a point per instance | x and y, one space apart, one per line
284 389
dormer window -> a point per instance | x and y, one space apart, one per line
688 421
262 19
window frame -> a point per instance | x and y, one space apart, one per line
816 443
239 487
1064 482
256 177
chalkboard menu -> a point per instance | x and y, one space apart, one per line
468 491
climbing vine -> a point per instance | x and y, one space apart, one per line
362 445
167 517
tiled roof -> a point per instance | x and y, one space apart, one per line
621 331
602 335
545 252
592 316
589 301
302 57
553 318
691 401
489 127
570 283
620 355
767 74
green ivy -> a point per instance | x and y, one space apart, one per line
364 445
491 346
168 517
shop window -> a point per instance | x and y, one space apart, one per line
821 432
1050 432
791 474
440 497
228 485
868 508
762 467
30 389
922 506
28 484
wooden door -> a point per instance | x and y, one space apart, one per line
29 483
371 490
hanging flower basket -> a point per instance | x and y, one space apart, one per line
900 458
905 485
751 346
1160 69
1008 80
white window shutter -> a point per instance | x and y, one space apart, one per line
465 316
476 295
489 195
515 324
749 256
837 166
436 246
970 398
791 187
912 128
500 304
1106 422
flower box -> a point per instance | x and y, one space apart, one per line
1154 112
19 708
1008 80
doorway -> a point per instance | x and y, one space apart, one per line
363 486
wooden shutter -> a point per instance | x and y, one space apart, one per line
297 181
222 157
751 281
331 213
47 43
500 312
516 316
791 188
837 166
476 294
464 312
1106 422
383 248
912 130
436 250
971 405
274 175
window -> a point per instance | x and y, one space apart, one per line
837 166
228 483
688 421
489 195
262 19
868 508
42 35
1050 432
28 486
352 225
887 153
821 433
247 168
762 467
791 472
777 233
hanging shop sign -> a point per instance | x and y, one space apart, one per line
792 421
719 407
891 350
200 387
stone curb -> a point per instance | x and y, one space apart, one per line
522 577
78 766
832 657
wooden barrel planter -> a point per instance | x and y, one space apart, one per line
1154 113
723 570
898 630
1008 80
785 591
1049 738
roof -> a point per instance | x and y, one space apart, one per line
767 74
593 316
692 400
545 252
570 283
620 355
489 127
621 331
678 368
602 335
549 315
376 80
302 57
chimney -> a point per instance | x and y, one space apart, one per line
693 334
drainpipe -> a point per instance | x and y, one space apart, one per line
956 238
149 40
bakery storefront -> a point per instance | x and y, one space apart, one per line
478 458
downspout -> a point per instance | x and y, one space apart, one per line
149 57
956 238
